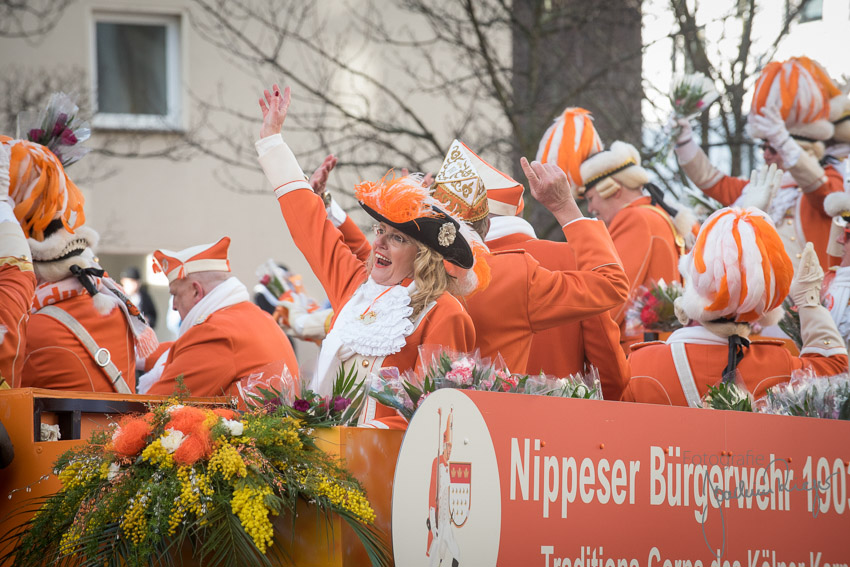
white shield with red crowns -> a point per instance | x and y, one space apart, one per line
460 494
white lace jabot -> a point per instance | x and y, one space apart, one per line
375 321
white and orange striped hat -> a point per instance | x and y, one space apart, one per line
839 102
803 103
569 141
201 258
41 190
738 269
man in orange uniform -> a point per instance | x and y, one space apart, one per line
17 283
646 238
790 113
523 297
223 336
612 180
570 348
737 274
83 334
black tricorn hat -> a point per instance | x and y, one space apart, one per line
439 231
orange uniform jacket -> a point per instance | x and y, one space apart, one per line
17 286
814 221
232 343
56 359
646 243
565 349
341 273
766 363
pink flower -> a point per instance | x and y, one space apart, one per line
60 124
35 134
341 403
68 137
422 398
301 405
700 104
679 102
265 279
509 382
460 376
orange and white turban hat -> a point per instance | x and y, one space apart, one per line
738 269
802 101
839 102
200 258
41 190
569 141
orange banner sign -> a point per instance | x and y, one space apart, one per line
498 479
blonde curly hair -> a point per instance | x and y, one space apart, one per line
431 278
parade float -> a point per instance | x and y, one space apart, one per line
494 469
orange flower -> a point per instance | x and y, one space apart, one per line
132 435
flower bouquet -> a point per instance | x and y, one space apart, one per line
728 395
443 368
185 476
790 322
652 308
57 127
809 395
342 407
691 95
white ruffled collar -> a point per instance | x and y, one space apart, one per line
376 320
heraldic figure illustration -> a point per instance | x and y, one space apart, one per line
449 497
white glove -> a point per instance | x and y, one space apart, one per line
762 188
805 287
770 126
686 132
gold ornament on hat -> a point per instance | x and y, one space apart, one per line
447 234
459 185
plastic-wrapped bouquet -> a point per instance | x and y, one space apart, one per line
342 407
809 395
729 395
58 127
652 308
443 368
691 95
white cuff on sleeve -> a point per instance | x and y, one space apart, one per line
576 220
263 145
687 151
335 213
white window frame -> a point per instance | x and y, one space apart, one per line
174 60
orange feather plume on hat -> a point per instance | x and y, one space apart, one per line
41 189
400 199
738 269
569 141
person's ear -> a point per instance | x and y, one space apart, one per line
198 290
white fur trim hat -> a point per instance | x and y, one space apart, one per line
618 165
201 258
738 269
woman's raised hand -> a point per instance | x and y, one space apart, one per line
274 106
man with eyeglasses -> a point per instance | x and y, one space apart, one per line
790 114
